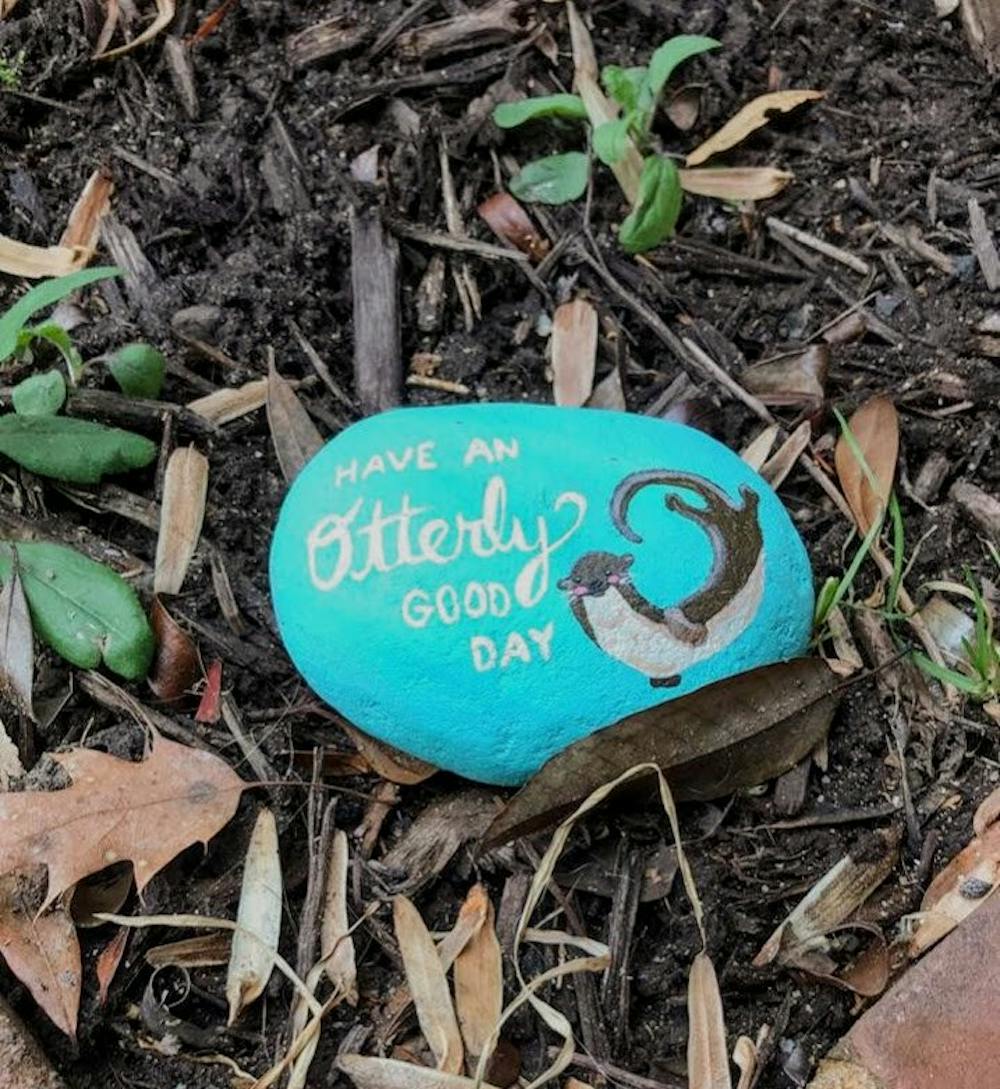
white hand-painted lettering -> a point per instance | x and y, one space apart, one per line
498 450
419 457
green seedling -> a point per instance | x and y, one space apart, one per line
11 68
559 179
978 674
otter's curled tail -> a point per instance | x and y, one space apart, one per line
733 532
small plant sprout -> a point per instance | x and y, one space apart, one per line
11 67
558 179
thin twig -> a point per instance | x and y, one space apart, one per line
835 253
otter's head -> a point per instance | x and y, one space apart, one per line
595 573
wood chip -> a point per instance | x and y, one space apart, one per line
232 402
981 507
378 350
185 488
983 245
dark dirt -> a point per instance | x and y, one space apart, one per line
243 210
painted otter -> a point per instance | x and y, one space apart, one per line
662 642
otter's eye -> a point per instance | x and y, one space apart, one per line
609 573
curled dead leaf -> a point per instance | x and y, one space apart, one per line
875 428
165 10
796 380
185 488
176 667
508 220
754 115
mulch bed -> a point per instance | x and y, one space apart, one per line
232 217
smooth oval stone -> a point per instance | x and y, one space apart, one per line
482 585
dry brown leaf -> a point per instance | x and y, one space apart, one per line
164 15
736 182
258 919
746 1055
987 813
6 7
336 944
230 403
293 434
875 427
176 667
479 986
780 464
83 228
185 487
40 946
967 881
508 220
371 1073
707 1057
106 890
204 951
17 650
609 392
798 379
683 108
107 963
78 242
754 115
392 764
574 352
756 451
429 987
145 812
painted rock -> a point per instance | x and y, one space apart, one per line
482 585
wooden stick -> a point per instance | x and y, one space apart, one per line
378 350
804 238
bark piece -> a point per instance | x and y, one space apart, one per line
378 352
981 507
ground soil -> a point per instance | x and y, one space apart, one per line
243 210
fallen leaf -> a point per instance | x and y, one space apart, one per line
204 951
145 812
429 987
392 764
107 963
735 733
746 1055
176 668
185 488
754 115
574 352
371 1073
230 403
756 452
875 427
794 380
294 435
508 220
736 182
609 392
38 941
780 464
965 883
336 943
164 15
17 650
683 108
106 890
210 705
987 813
258 919
479 987
707 1057
83 228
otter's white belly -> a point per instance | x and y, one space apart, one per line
649 647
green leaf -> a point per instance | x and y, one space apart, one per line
969 685
672 53
47 293
57 336
39 395
556 179
509 115
83 610
655 214
77 451
624 85
138 369
611 140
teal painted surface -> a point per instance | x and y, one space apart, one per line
441 577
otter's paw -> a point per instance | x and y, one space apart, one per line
665 682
